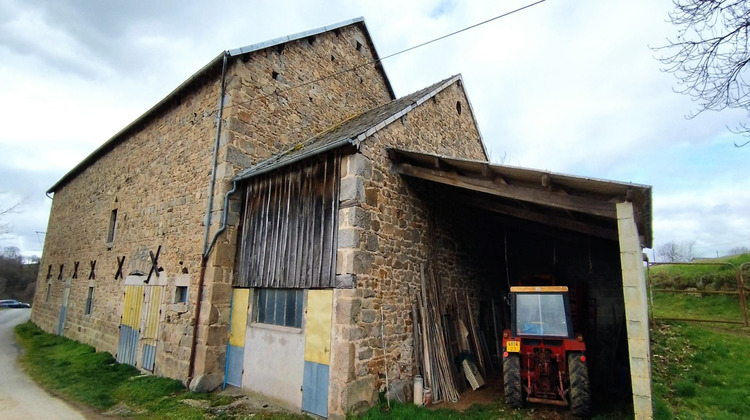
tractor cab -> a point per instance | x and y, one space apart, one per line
543 357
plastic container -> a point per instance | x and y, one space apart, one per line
418 390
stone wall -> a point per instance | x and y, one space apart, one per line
265 115
384 241
158 178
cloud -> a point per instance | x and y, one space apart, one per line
566 86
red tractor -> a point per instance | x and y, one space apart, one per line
544 361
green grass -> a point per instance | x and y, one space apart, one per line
700 276
410 411
700 371
497 410
78 373
713 307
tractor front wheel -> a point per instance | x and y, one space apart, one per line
580 393
512 381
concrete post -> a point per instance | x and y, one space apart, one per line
636 310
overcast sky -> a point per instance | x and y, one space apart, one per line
568 86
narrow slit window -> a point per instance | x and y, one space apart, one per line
89 301
112 226
49 289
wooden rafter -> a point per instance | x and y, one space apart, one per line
600 208
559 222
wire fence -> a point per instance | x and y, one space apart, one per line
740 289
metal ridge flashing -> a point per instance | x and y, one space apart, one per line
293 37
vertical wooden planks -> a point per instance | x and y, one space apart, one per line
289 226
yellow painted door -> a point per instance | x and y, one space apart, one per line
318 316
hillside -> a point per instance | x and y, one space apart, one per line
17 280
700 369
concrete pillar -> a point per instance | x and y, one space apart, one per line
636 310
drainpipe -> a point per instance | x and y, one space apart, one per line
207 220
210 206
223 226
204 261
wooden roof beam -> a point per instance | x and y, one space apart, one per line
546 219
521 193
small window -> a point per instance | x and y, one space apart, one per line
181 294
49 289
112 226
89 301
279 307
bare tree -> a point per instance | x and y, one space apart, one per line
674 252
739 250
5 227
710 55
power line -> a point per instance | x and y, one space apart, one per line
367 63
142 168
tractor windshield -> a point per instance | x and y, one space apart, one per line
541 315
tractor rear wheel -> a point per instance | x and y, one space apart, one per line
512 381
580 392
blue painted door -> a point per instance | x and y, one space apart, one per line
63 308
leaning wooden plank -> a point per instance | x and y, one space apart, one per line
416 339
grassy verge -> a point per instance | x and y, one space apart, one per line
78 373
410 411
700 371
498 410
699 276
712 307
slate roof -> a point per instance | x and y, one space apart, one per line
351 131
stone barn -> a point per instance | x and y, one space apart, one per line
268 224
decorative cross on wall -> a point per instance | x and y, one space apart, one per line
154 264
120 262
